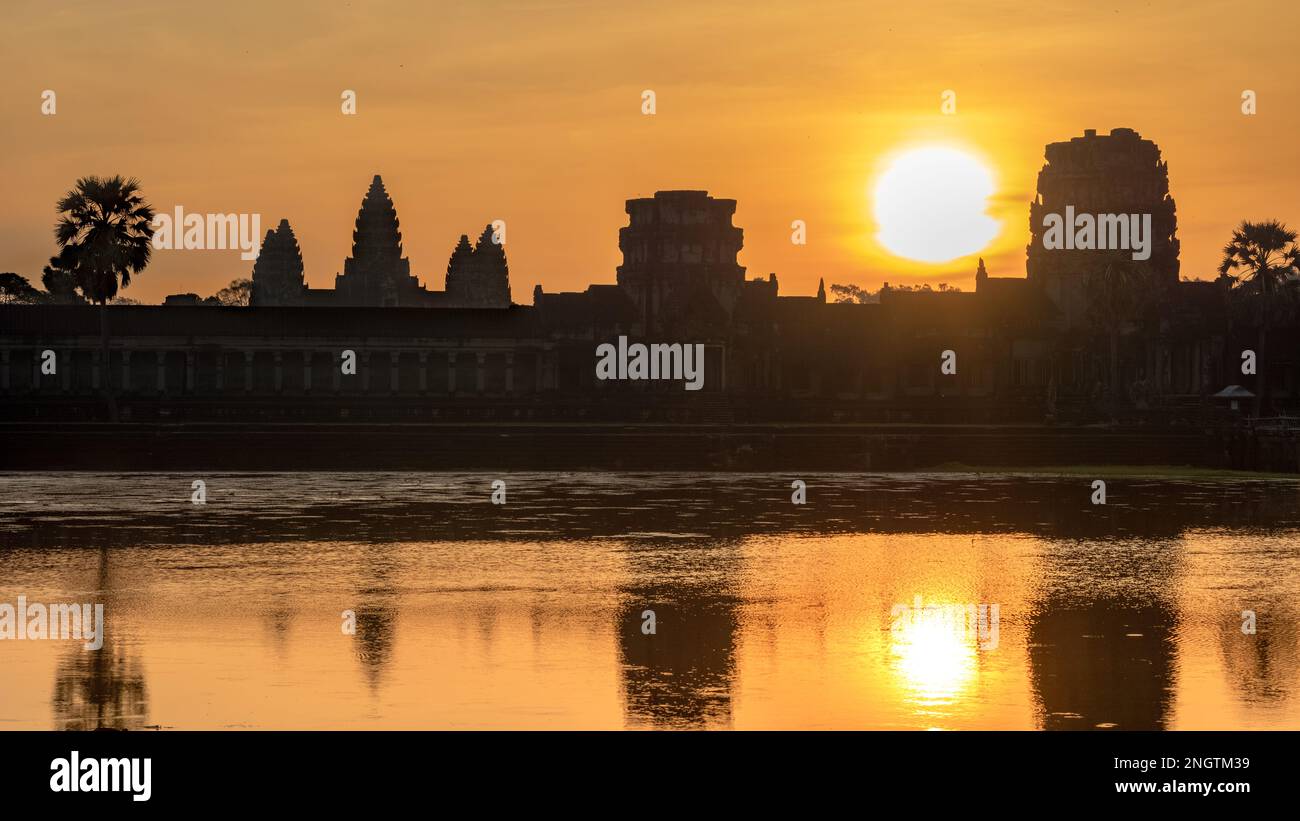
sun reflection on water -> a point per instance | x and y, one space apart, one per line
933 653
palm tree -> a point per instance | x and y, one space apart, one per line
104 232
1260 259
1118 294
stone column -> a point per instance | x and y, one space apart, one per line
394 374
336 379
539 366
424 371
221 371
94 369
248 371
162 371
279 371
126 371
451 372
190 357
363 361
510 373
480 373
307 357
67 371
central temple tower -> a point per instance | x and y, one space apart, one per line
679 246
377 274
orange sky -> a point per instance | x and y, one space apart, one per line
531 112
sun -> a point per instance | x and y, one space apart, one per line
931 205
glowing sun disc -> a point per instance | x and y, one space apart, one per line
930 205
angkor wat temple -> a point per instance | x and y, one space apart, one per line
1027 350
377 275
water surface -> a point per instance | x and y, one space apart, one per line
840 613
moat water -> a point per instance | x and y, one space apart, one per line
846 612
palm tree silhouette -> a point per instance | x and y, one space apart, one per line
104 232
1260 258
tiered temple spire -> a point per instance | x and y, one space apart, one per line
377 237
376 273
479 277
458 266
278 271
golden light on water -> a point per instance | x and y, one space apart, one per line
784 630
931 204
933 655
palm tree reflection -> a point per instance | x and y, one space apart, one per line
104 688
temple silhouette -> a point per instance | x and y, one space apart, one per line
1044 348
376 275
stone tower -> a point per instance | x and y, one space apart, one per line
478 277
278 272
459 269
1115 174
679 247
377 274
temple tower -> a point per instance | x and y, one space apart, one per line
459 268
478 277
678 246
278 271
377 274
1119 174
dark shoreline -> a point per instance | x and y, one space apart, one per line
624 447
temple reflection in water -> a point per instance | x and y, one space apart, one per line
766 614
680 675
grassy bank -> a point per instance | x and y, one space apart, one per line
1107 471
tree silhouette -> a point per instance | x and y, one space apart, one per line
853 293
238 292
861 296
1262 259
60 284
16 289
104 232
